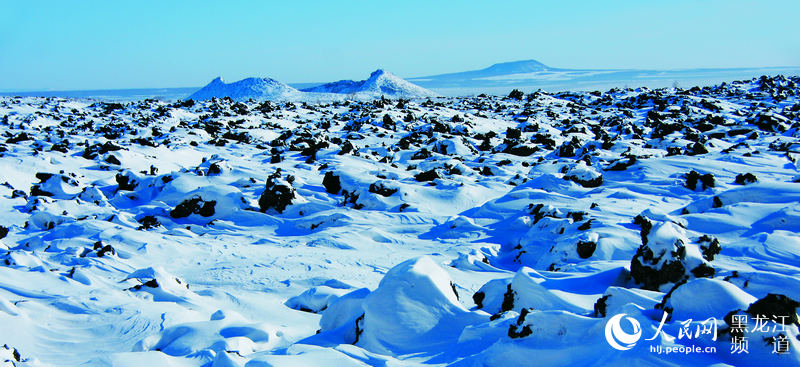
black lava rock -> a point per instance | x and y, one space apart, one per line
278 194
693 177
600 306
148 222
710 247
697 149
332 183
518 330
594 182
126 182
650 277
621 164
113 160
422 154
513 134
746 178
378 188
427 176
508 299
103 250
195 205
586 249
776 307
568 149
478 298
520 150
516 94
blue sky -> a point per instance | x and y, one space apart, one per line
62 45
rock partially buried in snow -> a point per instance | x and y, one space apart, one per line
520 292
226 333
161 285
344 315
584 175
195 205
666 255
702 298
776 305
413 309
315 299
44 220
278 193
55 185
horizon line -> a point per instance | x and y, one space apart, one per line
34 90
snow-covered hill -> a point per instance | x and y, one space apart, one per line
625 227
250 88
379 83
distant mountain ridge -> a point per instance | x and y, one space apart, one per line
504 68
531 75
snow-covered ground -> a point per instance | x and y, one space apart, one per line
553 229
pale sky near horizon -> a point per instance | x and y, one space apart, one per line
63 45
